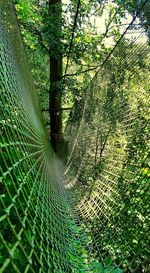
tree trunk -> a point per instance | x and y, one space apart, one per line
55 93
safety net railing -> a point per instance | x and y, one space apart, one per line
95 217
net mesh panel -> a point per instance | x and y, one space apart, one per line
97 221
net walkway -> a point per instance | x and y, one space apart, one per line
91 215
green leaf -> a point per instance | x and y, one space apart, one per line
108 261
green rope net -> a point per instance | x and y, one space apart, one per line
97 220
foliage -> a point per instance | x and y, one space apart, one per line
40 33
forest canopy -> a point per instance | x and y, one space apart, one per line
73 38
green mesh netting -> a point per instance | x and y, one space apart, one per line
97 221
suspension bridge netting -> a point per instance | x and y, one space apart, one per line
97 220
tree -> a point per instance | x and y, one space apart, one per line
65 54
55 92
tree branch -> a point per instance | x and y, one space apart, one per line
40 39
120 25
84 71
